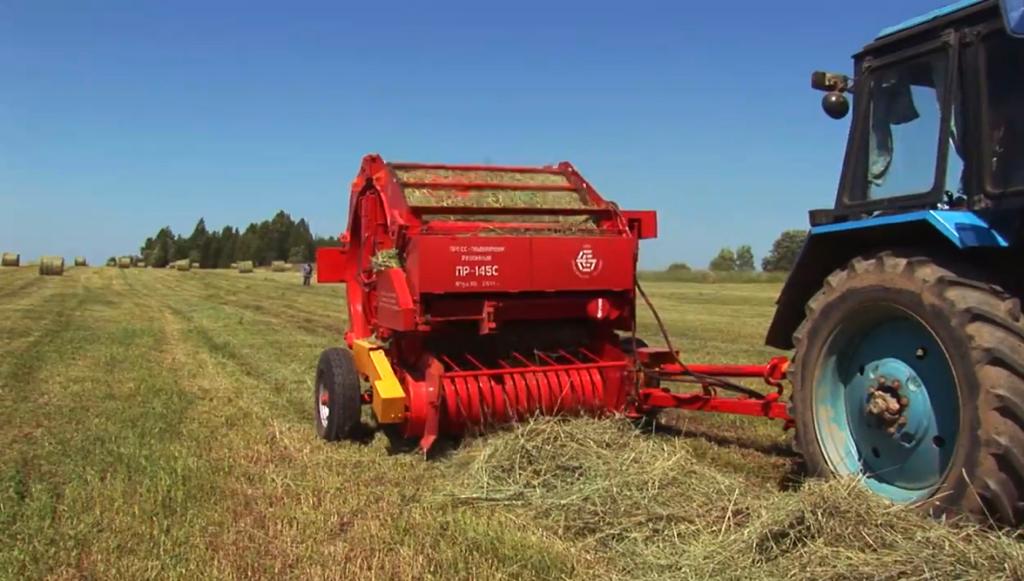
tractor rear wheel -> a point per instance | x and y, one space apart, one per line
909 374
337 405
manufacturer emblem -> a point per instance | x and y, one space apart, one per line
587 264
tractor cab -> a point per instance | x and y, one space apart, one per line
903 308
935 153
936 122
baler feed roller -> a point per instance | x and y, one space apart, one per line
480 296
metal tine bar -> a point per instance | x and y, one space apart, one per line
454 185
553 170
522 359
543 356
475 362
584 351
568 356
451 363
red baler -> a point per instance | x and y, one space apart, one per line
483 295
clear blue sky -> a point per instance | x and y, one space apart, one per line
119 117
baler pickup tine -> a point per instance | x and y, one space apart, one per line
472 360
522 359
568 356
451 364
546 359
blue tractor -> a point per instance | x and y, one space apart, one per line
904 306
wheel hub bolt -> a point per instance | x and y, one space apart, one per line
887 404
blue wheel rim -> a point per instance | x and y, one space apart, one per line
885 402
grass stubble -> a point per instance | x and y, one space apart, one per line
156 423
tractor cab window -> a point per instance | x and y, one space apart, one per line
1004 73
905 128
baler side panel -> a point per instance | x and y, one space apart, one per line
452 264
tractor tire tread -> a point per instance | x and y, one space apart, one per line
992 323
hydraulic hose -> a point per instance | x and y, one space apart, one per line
706 379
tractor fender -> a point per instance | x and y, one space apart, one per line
830 246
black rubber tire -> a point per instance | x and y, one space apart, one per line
336 373
980 327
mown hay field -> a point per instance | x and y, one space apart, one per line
156 423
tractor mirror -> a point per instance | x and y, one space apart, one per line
1013 16
835 102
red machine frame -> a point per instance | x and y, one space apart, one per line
491 313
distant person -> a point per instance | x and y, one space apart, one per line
307 273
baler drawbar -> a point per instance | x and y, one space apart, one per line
484 295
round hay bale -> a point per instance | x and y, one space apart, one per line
233 266
10 259
195 265
245 266
183 265
51 265
124 262
279 266
81 261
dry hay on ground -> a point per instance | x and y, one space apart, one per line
655 511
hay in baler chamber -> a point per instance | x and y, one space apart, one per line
442 197
245 266
51 265
10 259
279 266
647 505
124 262
480 176
81 261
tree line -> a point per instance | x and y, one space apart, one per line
279 238
781 258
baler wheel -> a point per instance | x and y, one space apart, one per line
337 406
909 374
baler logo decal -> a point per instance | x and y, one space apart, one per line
587 264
